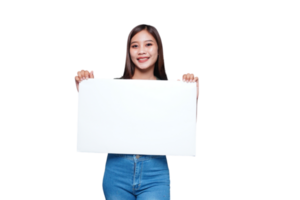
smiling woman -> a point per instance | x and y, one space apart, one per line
144 57
130 176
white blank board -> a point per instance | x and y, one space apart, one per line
125 116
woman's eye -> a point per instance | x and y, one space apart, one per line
149 44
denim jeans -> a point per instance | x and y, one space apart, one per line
131 177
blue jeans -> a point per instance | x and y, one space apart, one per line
128 177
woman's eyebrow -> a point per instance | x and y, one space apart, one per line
144 41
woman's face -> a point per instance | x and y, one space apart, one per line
143 50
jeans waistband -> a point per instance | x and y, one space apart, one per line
136 157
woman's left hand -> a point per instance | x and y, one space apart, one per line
191 78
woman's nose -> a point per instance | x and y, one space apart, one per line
141 50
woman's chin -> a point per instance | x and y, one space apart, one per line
143 67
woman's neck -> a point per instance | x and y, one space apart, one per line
144 77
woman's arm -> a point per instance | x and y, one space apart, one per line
83 75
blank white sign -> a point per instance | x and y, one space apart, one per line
125 116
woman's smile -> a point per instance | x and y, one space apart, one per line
143 59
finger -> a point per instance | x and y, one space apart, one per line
92 74
190 75
75 81
196 79
75 77
193 77
82 76
86 74
188 78
79 75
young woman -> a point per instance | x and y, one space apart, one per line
129 176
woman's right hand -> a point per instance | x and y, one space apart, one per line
83 75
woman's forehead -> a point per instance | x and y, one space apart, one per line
142 36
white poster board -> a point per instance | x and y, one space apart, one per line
150 117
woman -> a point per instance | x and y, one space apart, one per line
141 177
